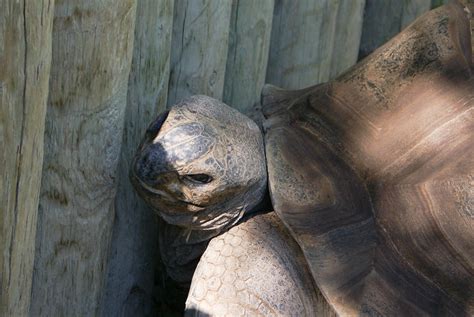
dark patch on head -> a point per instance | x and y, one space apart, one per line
151 163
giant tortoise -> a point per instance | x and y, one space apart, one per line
370 178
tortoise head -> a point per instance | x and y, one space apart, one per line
201 165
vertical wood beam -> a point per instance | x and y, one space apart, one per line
199 45
249 44
350 18
384 19
437 3
134 254
91 58
312 41
25 59
301 43
413 9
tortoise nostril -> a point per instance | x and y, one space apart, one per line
152 165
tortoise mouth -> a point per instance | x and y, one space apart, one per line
184 213
168 197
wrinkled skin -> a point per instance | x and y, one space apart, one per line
201 166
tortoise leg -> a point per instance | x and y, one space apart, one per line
255 268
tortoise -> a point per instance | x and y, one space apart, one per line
370 178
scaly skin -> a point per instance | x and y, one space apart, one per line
254 269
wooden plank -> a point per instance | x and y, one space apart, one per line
312 41
384 19
25 26
350 17
249 44
437 3
91 58
413 9
134 253
301 43
199 45
381 23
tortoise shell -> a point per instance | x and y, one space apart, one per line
373 173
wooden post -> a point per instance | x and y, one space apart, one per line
350 16
437 3
199 46
384 19
305 37
134 249
413 9
249 43
91 57
25 59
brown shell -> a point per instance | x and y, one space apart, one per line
373 173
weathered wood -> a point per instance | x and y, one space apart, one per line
25 59
134 256
413 9
91 58
304 46
249 44
384 19
437 3
349 22
199 45
301 43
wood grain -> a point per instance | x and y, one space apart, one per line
130 287
91 57
384 19
382 205
437 3
302 41
312 40
249 44
349 21
24 72
199 45
413 9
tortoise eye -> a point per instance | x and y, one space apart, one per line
199 178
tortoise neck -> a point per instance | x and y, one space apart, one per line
181 248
